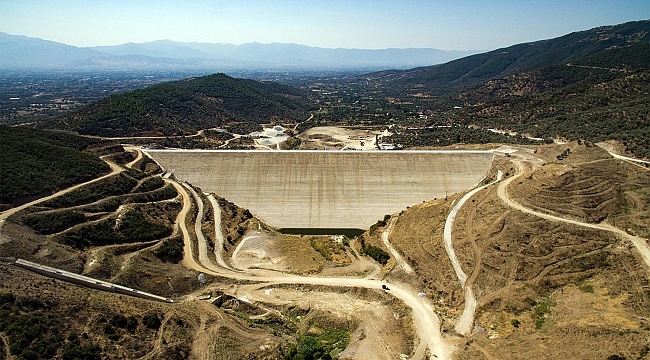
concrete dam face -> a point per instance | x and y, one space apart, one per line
326 189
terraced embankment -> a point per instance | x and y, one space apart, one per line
326 189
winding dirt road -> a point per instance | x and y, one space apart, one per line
115 169
396 255
464 325
137 158
640 243
218 245
610 149
426 321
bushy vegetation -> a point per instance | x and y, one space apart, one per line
99 234
133 227
53 222
73 350
384 221
115 185
312 347
147 166
184 107
378 254
249 100
36 162
292 143
136 174
321 250
168 192
151 183
152 320
590 85
243 128
218 135
592 109
129 323
446 136
171 249
541 311
476 69
35 333
121 158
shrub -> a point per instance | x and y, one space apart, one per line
100 233
134 227
73 351
515 323
108 329
151 183
118 320
39 162
115 185
172 248
321 250
543 308
310 348
151 320
378 254
131 323
54 222
168 192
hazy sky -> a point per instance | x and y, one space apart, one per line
371 24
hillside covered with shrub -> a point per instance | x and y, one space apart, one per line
186 106
37 162
476 69
597 98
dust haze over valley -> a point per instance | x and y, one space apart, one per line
493 206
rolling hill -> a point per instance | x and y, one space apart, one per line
598 98
186 106
476 69
36 163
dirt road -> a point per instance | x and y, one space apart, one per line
640 243
188 258
115 169
202 245
218 245
137 158
464 325
127 138
610 149
396 255
427 322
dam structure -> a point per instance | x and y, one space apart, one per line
326 189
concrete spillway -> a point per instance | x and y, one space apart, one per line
326 189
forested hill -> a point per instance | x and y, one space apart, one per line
597 98
37 163
186 106
477 69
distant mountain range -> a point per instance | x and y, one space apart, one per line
20 52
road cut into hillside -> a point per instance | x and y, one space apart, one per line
326 189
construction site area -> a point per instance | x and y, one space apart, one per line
479 254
